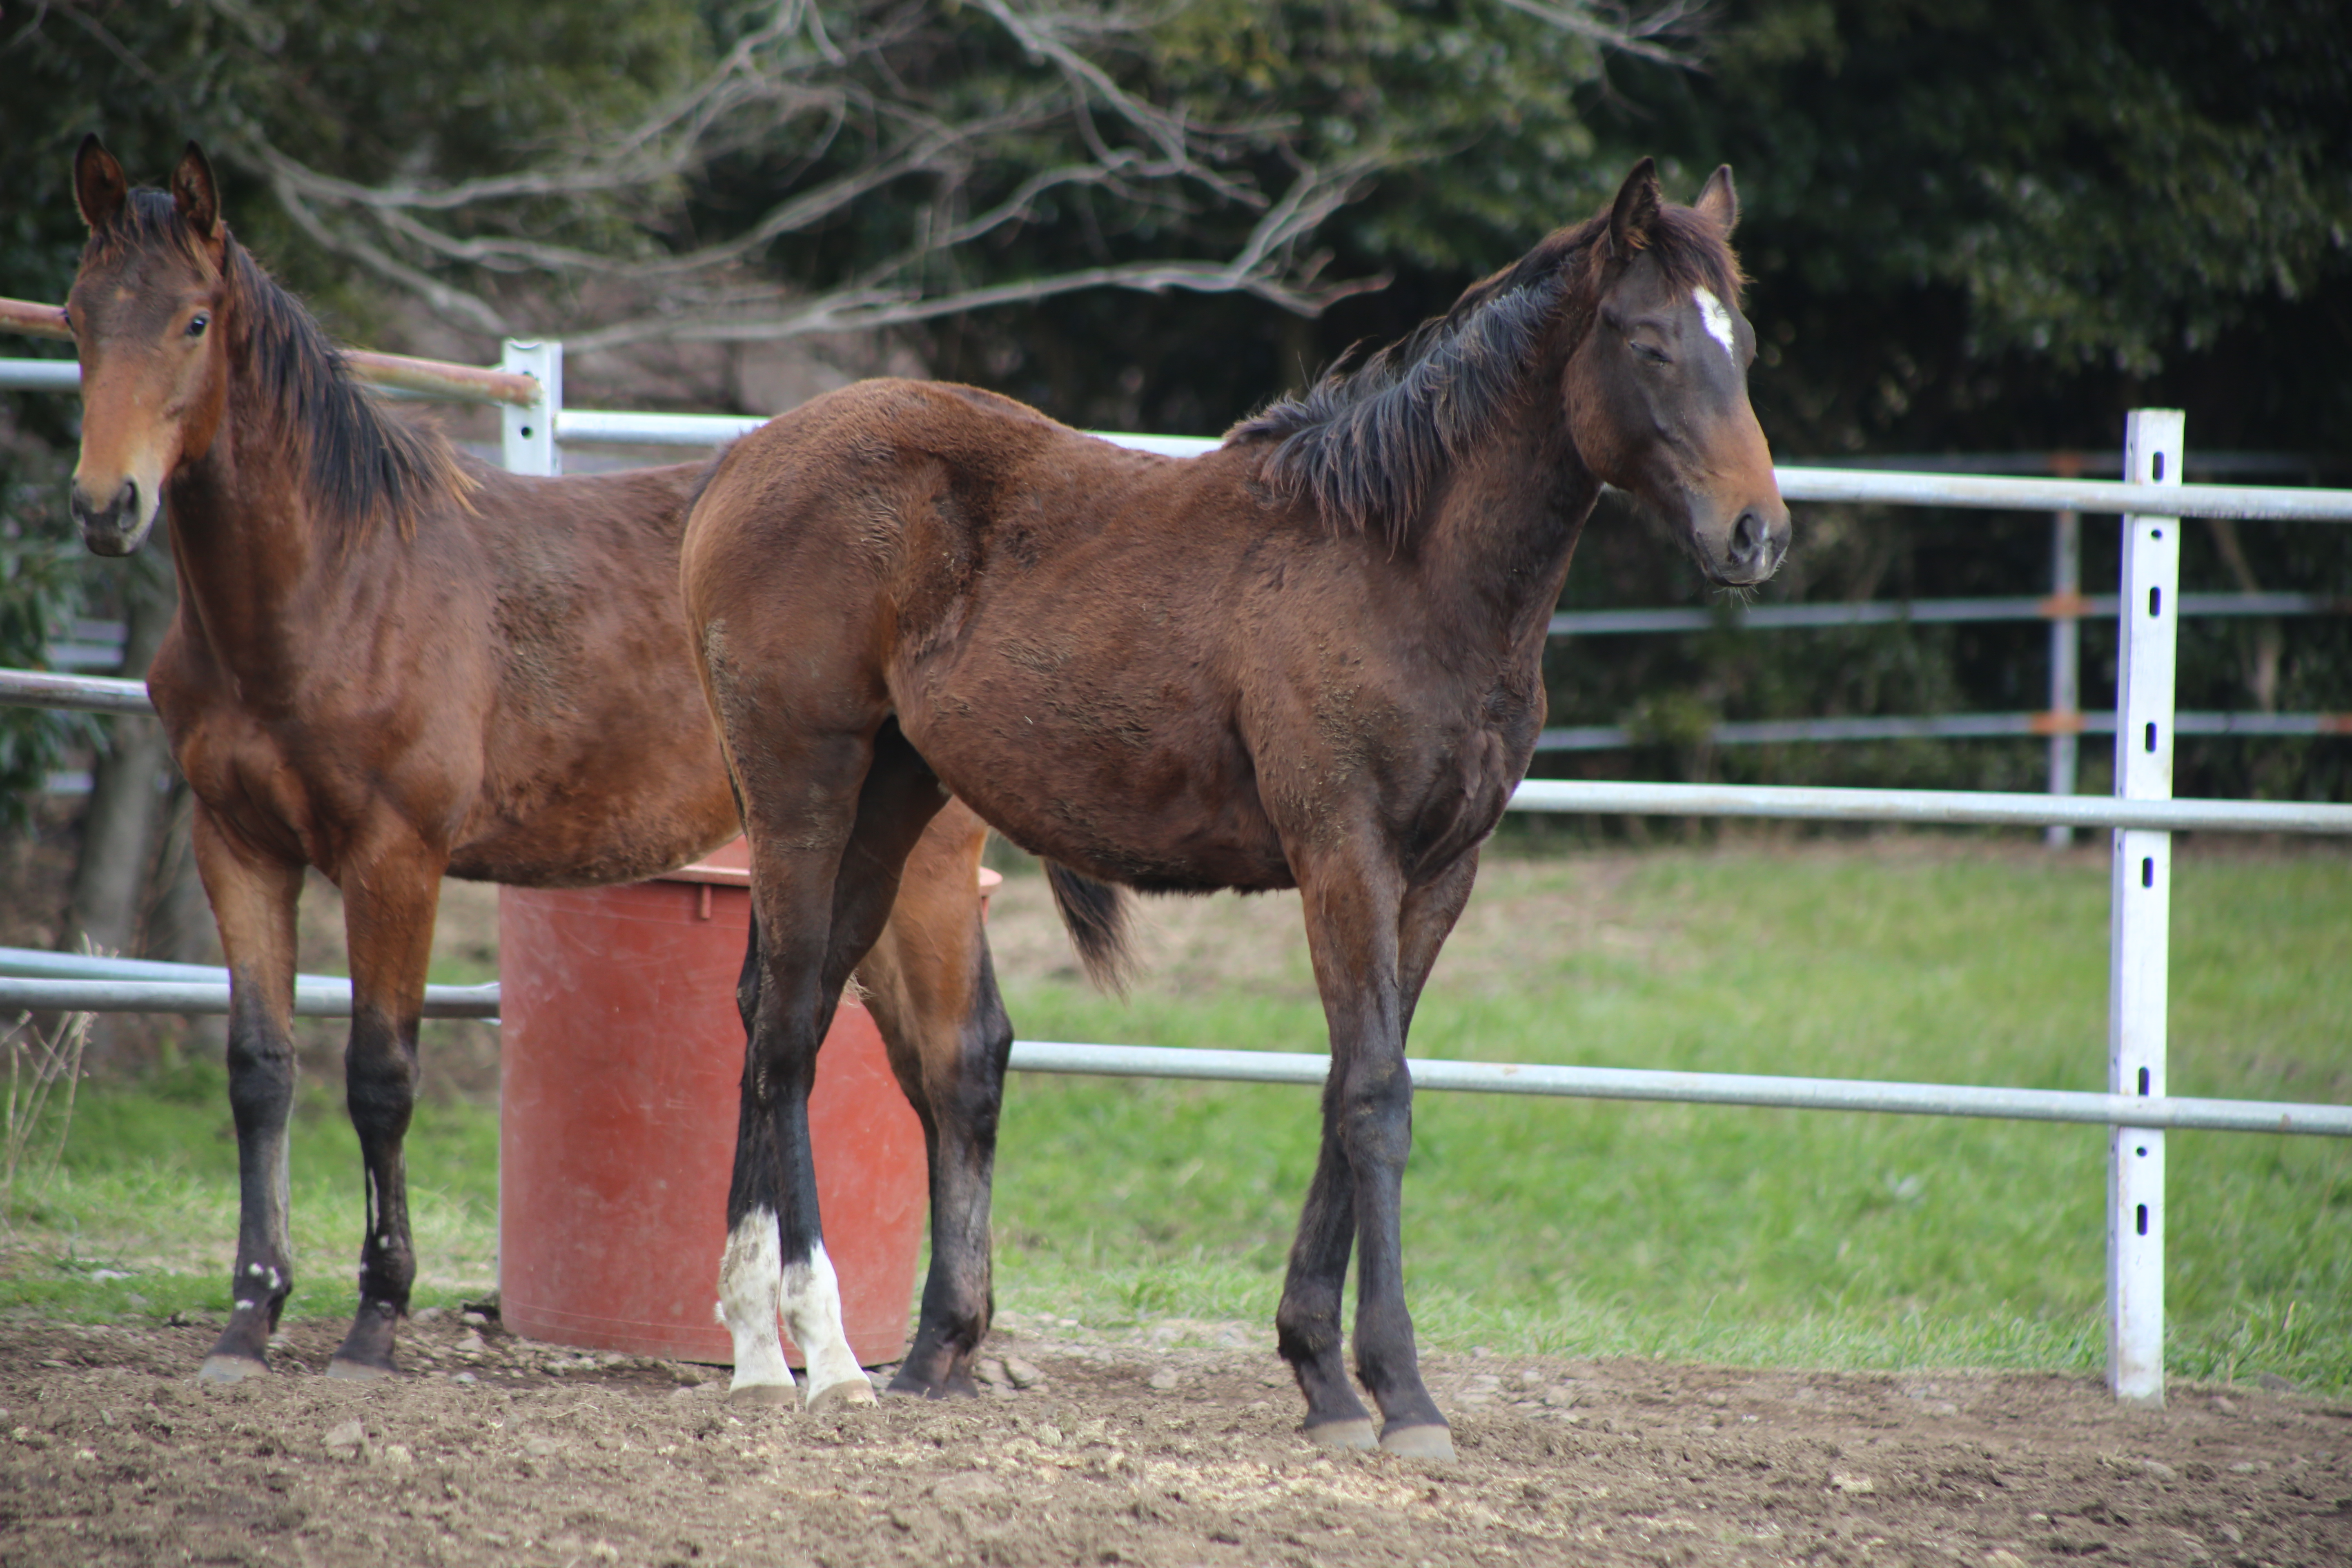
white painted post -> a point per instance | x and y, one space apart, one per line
2065 649
2140 926
528 435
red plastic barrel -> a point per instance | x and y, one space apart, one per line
623 1057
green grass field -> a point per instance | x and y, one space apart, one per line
1588 1228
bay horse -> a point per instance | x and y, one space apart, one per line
394 662
1310 658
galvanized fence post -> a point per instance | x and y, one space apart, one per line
2141 929
527 444
2066 646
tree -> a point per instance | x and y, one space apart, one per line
1990 228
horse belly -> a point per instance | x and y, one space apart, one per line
1103 788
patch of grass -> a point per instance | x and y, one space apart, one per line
1744 1235
140 1220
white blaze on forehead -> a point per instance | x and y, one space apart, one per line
1718 319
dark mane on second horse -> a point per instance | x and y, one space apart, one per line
1363 444
363 464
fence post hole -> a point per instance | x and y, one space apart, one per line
2140 926
2066 646
528 435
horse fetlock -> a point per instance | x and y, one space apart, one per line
810 1296
1307 1329
750 1276
387 1275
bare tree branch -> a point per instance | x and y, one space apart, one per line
1623 29
964 158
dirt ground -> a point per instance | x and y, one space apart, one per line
492 1451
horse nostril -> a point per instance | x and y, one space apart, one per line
122 510
1749 535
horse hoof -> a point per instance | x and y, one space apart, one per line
1419 1443
841 1395
1356 1434
359 1371
226 1369
959 1386
762 1396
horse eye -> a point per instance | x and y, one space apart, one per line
197 324
1653 355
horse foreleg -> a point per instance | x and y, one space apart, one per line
389 900
253 898
1353 905
1307 1323
931 987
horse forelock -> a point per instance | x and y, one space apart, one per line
1364 444
147 221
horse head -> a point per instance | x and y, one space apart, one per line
1657 390
146 310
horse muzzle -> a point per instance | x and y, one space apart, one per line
117 526
1751 550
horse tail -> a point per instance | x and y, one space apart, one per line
1096 915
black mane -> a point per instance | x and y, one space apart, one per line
1365 444
360 463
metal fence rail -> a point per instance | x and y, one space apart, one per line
1939 727
325 996
1923 612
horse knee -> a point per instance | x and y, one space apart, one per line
1376 1115
260 1075
380 1085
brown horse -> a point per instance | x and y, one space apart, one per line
1310 658
394 662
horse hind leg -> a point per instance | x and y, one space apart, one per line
253 899
931 987
818 914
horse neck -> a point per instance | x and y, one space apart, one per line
1507 517
254 576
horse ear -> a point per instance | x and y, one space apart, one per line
1636 208
194 192
100 189
1719 202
